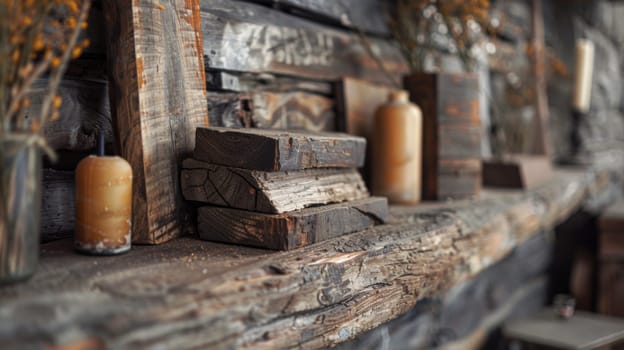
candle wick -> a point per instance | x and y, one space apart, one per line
100 145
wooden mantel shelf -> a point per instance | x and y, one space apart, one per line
194 294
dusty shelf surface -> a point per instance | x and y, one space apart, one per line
194 294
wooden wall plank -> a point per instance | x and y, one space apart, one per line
293 110
157 102
370 16
240 36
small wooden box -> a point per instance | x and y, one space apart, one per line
451 133
611 256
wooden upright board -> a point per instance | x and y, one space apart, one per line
276 150
158 99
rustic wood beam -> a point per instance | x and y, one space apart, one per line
192 294
158 97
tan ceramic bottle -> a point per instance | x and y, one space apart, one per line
397 150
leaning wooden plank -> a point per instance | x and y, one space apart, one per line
157 102
240 36
293 229
269 192
276 150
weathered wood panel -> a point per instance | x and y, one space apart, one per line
370 16
256 82
275 150
296 110
198 294
84 113
246 37
290 230
451 132
269 192
57 204
158 102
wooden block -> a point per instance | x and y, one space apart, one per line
612 245
611 289
290 230
275 150
520 171
269 192
458 179
158 98
612 220
451 131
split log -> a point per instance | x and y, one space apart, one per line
290 230
158 101
274 150
246 37
267 110
269 192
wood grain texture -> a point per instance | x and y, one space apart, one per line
290 230
269 192
158 100
84 113
451 132
275 150
246 37
57 204
370 16
267 110
264 82
193 294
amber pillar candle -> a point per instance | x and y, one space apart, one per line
583 75
103 205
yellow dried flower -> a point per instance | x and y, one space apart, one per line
71 22
84 25
25 103
56 61
76 52
57 102
55 116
